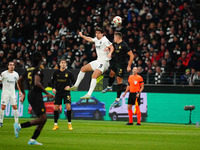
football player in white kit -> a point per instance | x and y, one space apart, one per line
9 78
99 65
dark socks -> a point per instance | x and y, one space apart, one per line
36 134
119 90
111 81
55 116
69 115
25 124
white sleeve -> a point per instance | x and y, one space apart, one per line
2 76
17 75
94 39
107 42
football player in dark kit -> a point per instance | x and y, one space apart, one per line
118 64
34 77
62 79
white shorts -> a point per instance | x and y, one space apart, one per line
100 65
5 99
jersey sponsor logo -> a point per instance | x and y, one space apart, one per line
135 82
10 81
30 69
66 75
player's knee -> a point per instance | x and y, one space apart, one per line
83 69
56 108
129 107
111 75
43 120
3 107
14 107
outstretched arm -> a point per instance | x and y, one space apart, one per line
87 38
130 53
110 49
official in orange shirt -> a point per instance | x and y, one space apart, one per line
136 86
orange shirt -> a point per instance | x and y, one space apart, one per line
135 83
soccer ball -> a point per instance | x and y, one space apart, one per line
117 20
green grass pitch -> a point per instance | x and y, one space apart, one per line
100 135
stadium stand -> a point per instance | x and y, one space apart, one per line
163 35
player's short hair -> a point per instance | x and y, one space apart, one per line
9 63
36 58
63 60
118 34
99 29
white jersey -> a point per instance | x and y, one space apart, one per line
100 46
8 82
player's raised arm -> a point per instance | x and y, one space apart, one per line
87 38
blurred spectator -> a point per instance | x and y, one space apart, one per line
197 78
185 77
184 58
60 55
158 77
192 77
194 62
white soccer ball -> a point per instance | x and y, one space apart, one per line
117 20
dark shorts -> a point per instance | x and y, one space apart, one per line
59 98
132 98
36 101
118 68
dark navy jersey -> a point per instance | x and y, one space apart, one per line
120 52
29 75
61 79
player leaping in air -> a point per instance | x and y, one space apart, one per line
99 65
119 64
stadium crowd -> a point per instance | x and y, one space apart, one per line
163 35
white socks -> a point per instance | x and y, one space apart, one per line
1 115
79 78
92 86
16 115
15 112
55 124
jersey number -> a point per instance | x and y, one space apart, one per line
30 78
100 65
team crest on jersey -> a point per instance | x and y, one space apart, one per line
66 75
39 72
135 82
120 47
100 42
